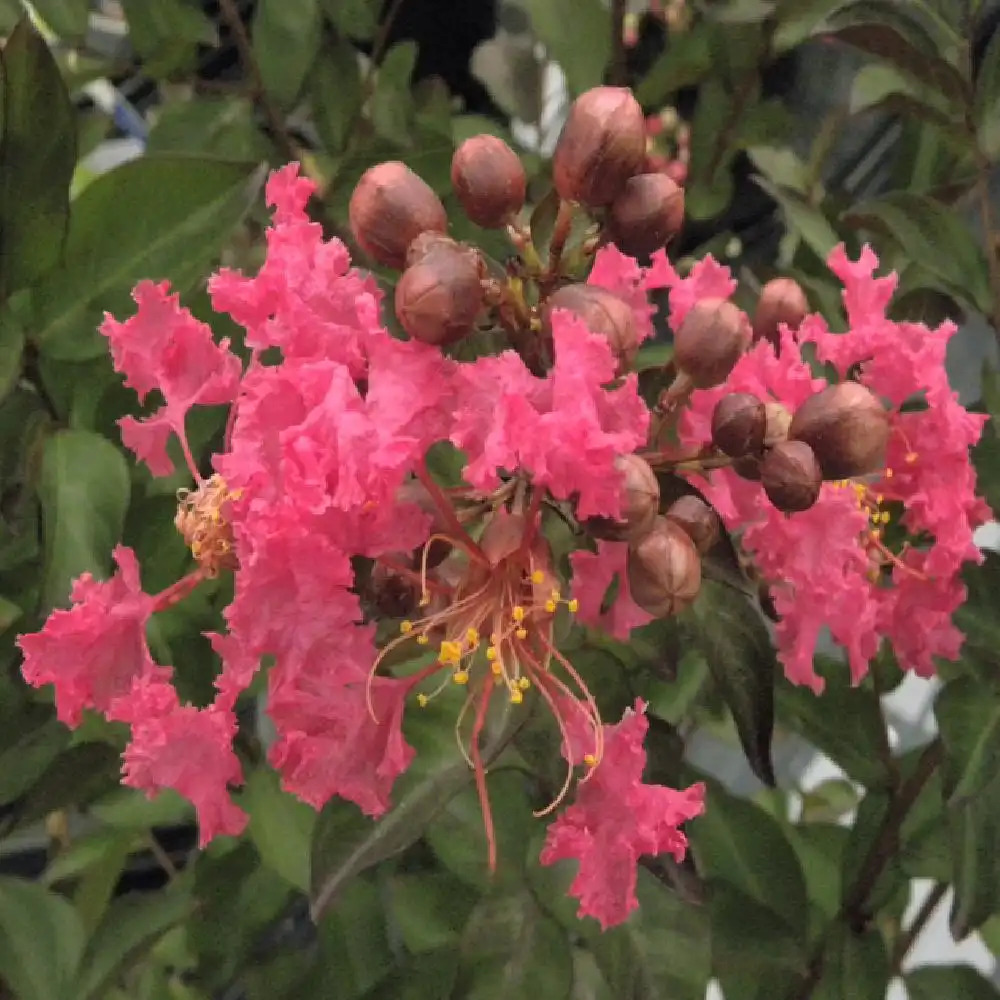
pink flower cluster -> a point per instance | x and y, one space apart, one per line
319 446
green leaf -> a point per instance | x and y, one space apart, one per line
686 61
41 940
428 976
167 34
576 34
286 37
843 722
512 948
738 843
710 184
165 218
865 832
430 909
932 236
37 156
11 351
336 93
937 982
977 617
280 827
84 492
731 634
803 218
356 19
25 759
67 18
968 717
886 30
131 926
974 833
855 966
820 848
392 100
987 101
224 127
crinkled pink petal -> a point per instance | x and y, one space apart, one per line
184 748
331 739
95 651
592 576
615 820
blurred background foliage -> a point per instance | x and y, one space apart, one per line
135 139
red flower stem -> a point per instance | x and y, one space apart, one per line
178 591
440 500
480 772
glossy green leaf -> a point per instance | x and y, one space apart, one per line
37 156
157 217
987 101
511 947
865 834
167 34
710 184
26 758
938 982
336 93
576 34
356 19
738 843
968 717
132 925
286 38
731 634
430 909
226 127
84 492
843 722
41 941
12 341
67 18
281 826
820 848
855 965
392 100
933 236
428 976
686 61
803 218
974 833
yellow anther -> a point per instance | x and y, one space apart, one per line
879 498
516 696
422 700
497 668
589 759
523 683
550 607
521 633
422 640
573 604
911 457
491 653
555 595
538 576
873 575
406 627
461 677
884 517
888 473
472 637
517 613
451 652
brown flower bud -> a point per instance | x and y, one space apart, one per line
664 569
647 214
710 341
738 423
781 301
439 296
602 144
748 467
489 181
777 420
389 208
698 520
640 502
791 476
847 427
604 313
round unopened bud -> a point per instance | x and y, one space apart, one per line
640 502
647 214
602 144
664 569
698 520
489 181
604 313
748 467
781 301
710 341
777 420
439 296
847 427
389 208
791 476
738 423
